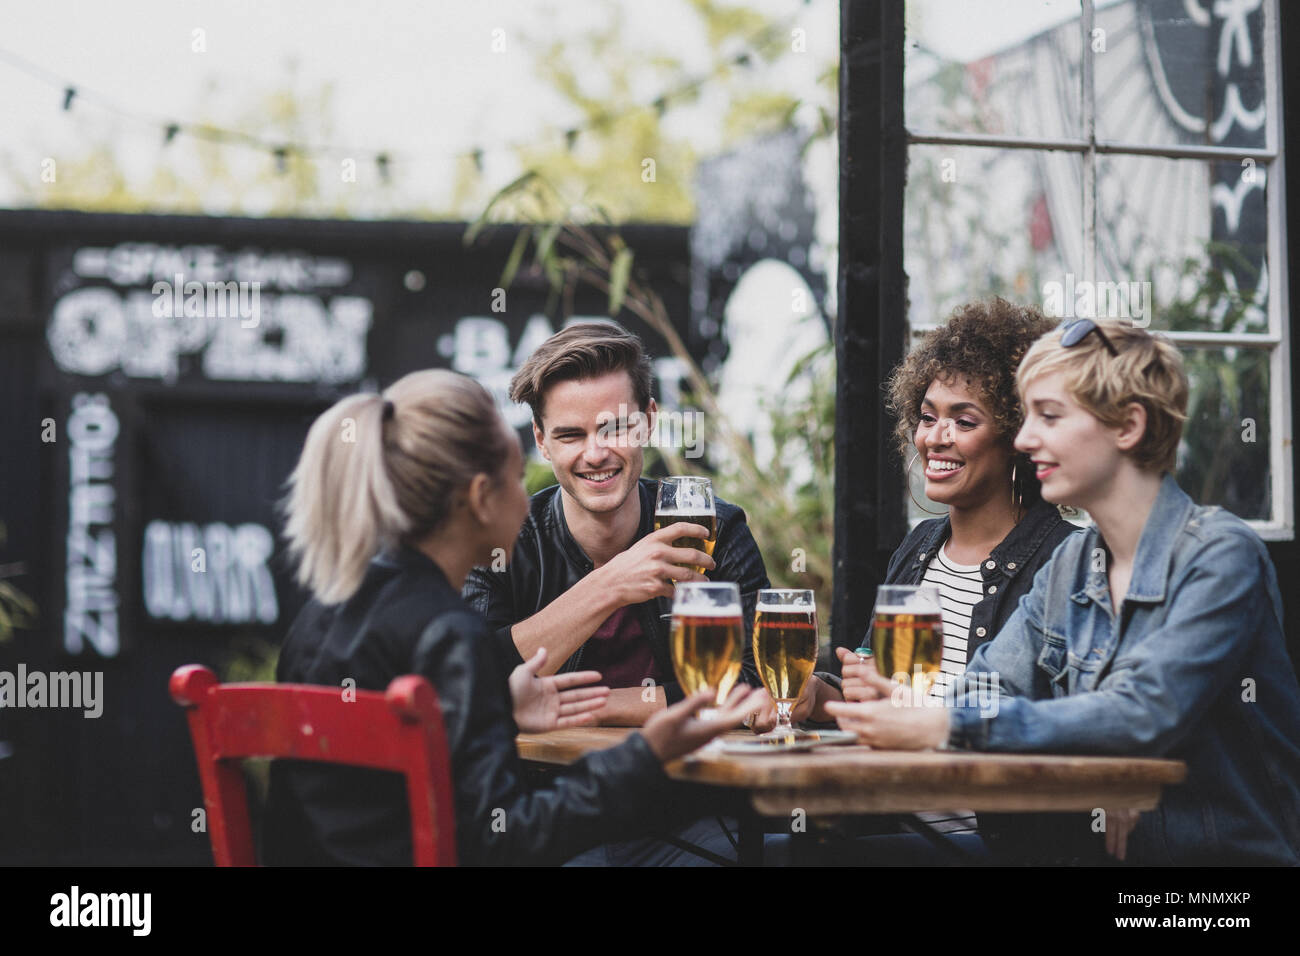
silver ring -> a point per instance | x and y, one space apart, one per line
749 721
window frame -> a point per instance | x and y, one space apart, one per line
1280 525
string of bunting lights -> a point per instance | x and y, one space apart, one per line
281 149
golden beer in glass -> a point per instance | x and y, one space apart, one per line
706 638
688 499
785 649
907 634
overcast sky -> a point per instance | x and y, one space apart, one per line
417 79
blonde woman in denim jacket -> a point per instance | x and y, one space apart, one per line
1157 633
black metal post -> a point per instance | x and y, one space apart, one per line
1286 554
869 519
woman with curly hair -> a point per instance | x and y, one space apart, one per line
957 411
954 399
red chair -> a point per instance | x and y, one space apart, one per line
399 730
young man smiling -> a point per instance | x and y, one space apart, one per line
590 579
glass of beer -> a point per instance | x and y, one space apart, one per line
907 634
685 498
707 638
785 649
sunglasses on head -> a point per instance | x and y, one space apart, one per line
1075 332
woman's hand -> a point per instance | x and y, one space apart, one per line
886 726
676 730
548 703
897 719
861 681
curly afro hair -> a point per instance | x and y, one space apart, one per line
982 342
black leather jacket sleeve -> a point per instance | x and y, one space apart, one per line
488 592
499 820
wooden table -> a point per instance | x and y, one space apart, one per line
848 780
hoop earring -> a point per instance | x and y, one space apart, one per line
909 488
1017 491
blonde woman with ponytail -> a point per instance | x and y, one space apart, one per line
394 499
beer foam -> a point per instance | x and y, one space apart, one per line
785 609
699 512
703 608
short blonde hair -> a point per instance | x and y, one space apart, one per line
1148 370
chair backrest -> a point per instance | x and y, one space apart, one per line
399 730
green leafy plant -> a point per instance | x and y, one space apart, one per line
249 658
17 610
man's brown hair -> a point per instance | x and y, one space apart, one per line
584 350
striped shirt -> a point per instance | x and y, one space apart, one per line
960 589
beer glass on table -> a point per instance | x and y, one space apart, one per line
785 649
907 634
706 638
685 498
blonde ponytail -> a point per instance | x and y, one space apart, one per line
367 480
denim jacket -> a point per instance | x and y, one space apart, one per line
1008 572
1194 668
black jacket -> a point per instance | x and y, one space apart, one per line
1013 838
1008 572
407 619
547 562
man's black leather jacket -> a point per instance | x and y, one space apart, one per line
547 562
407 619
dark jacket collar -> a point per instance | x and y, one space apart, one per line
1015 550
646 488
1013 554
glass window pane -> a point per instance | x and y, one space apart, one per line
1163 67
1000 67
980 222
1196 232
1224 456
